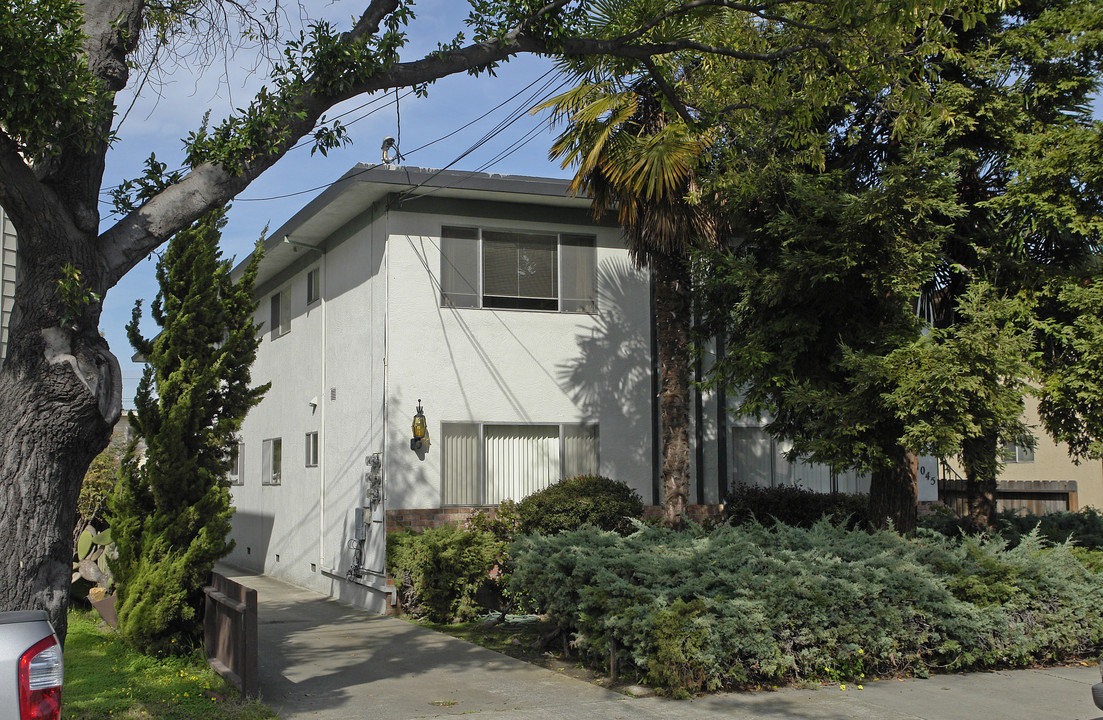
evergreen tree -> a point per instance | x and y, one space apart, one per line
172 513
901 291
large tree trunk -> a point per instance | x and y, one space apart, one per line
673 315
980 460
60 390
893 493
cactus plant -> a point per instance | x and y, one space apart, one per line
91 564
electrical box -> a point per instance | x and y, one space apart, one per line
359 532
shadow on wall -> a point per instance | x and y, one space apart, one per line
253 534
610 380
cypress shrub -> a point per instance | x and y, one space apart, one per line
581 500
743 605
795 506
171 515
442 570
1083 528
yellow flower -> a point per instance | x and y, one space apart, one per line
861 688
843 686
861 651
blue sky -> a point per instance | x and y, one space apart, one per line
157 122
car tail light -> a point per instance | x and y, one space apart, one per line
41 671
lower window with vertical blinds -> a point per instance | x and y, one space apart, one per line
484 463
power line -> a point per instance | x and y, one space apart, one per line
501 126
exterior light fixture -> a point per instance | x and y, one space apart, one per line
420 441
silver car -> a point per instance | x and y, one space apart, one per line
31 666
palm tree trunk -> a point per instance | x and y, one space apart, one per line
673 316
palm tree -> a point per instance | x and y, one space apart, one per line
635 156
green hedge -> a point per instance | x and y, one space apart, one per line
749 604
577 501
1083 528
794 506
441 571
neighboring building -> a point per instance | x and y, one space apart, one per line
7 279
1039 480
498 306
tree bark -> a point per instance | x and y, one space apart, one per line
980 459
59 398
673 315
893 493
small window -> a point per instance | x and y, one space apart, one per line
313 288
1015 453
312 449
272 461
280 315
236 475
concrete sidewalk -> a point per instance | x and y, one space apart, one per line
325 661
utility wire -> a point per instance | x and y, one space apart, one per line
513 117
539 96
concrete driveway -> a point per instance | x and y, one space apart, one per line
326 661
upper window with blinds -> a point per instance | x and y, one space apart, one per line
517 270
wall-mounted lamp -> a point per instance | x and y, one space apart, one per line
420 441
313 404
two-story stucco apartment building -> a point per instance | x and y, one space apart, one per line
495 303
497 307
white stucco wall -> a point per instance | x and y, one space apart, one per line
512 366
333 354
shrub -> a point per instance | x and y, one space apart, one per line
502 522
1083 528
441 570
577 501
794 506
749 604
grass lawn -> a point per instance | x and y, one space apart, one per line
104 678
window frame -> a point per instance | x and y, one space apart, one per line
1013 453
271 461
279 313
563 429
313 285
311 449
236 474
459 291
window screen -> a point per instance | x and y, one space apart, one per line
459 267
577 272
